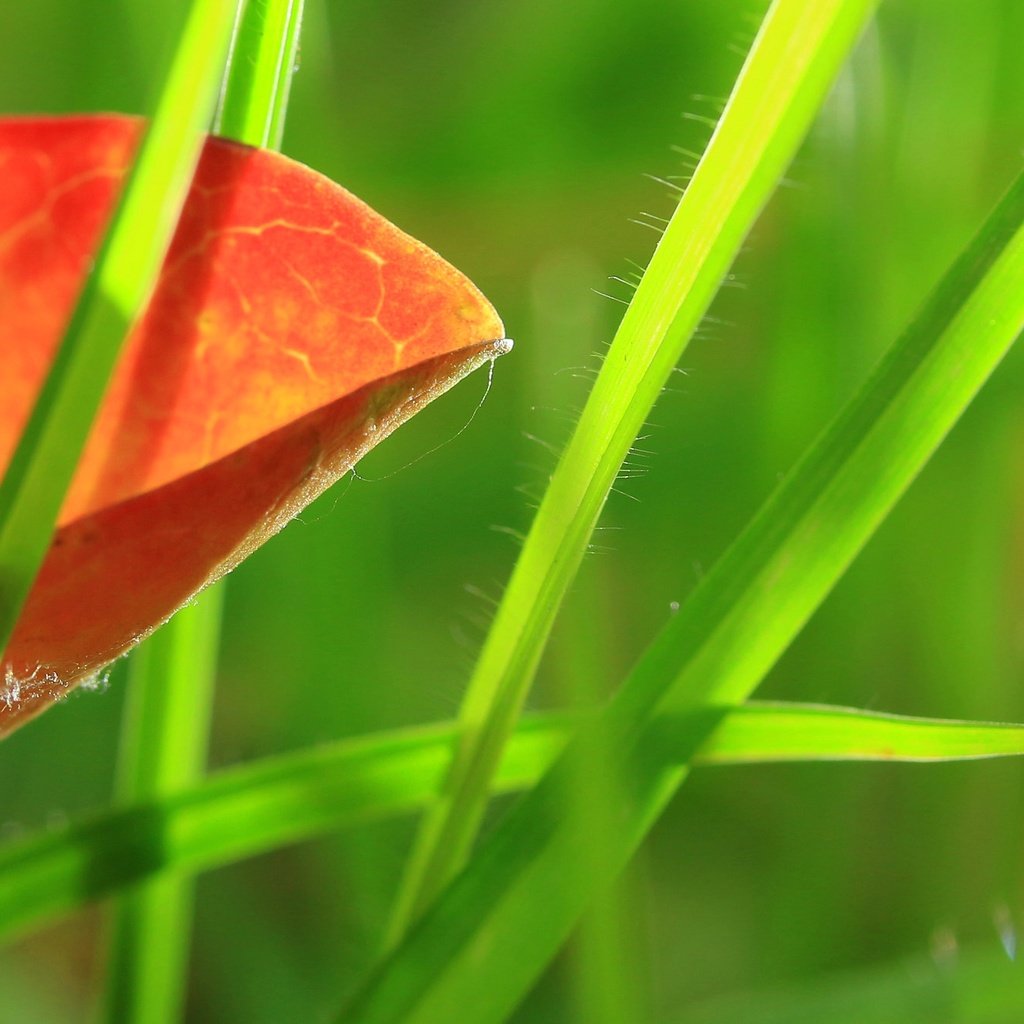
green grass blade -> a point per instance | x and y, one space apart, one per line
285 73
163 750
125 272
263 52
763 731
608 961
168 715
241 812
496 927
793 61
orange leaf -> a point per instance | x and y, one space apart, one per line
291 330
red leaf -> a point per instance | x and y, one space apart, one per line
292 329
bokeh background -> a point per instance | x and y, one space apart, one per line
514 137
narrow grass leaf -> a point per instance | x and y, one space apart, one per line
791 65
763 731
254 100
163 741
242 812
167 721
265 805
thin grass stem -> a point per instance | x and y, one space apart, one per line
167 722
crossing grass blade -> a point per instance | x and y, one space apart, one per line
241 812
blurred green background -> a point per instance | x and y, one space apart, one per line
514 137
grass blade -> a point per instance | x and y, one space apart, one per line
496 927
167 722
763 731
255 96
241 812
287 66
163 750
790 67
114 295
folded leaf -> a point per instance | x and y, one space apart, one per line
292 329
